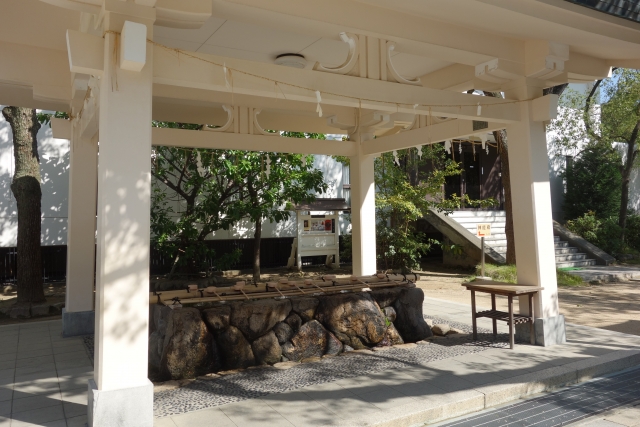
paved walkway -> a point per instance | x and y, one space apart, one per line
43 381
43 377
432 391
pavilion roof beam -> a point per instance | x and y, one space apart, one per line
433 134
44 71
414 34
248 142
171 69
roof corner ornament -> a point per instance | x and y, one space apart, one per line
257 129
352 57
227 125
392 71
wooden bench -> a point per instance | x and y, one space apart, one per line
506 289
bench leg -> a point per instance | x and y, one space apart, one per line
494 321
531 321
511 339
473 315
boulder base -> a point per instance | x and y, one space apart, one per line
354 318
409 319
187 347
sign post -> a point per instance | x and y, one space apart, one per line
483 230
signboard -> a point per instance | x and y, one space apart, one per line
484 230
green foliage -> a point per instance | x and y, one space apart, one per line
604 233
197 192
45 118
509 274
593 183
609 125
405 193
633 231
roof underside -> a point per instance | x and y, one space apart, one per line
628 9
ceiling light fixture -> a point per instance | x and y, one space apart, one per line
294 60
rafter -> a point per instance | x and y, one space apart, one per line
247 142
426 135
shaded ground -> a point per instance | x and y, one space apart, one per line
54 293
612 306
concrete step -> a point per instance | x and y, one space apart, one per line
570 257
569 264
567 250
478 214
474 220
556 238
561 245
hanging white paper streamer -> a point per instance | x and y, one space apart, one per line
395 157
487 149
473 148
318 107
484 143
479 109
419 148
199 164
447 146
268 168
460 147
226 78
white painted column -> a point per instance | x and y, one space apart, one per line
363 210
121 393
533 227
78 316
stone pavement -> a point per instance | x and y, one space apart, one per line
43 381
43 377
625 416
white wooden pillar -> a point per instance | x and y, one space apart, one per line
532 220
363 209
78 315
120 393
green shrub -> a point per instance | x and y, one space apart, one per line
632 232
509 274
593 183
604 233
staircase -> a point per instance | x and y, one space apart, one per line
566 256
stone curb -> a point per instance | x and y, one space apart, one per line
451 405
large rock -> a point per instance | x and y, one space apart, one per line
235 348
393 336
354 318
283 332
385 297
158 317
390 313
294 321
256 318
409 320
266 349
217 318
187 348
304 307
312 340
334 345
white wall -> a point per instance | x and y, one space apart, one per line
557 164
54 169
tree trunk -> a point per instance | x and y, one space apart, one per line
256 251
25 187
626 180
503 149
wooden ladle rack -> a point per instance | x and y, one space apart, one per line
282 288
